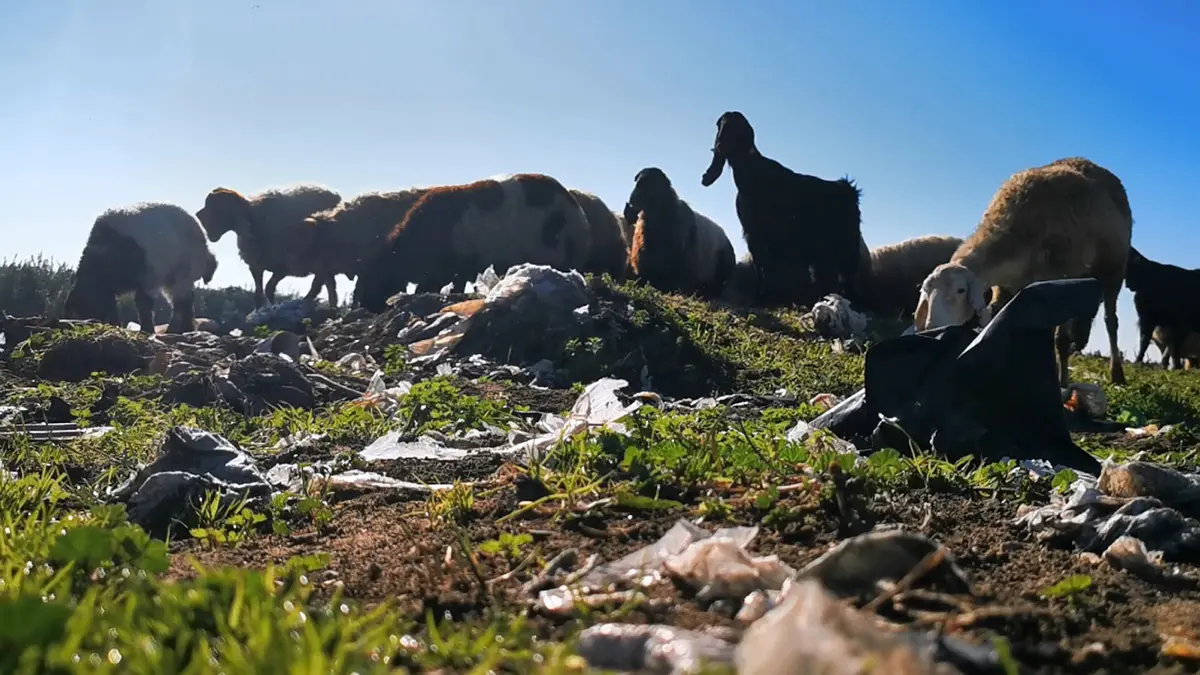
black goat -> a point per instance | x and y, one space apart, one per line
803 232
1163 295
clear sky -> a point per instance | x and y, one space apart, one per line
928 104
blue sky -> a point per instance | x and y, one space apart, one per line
928 104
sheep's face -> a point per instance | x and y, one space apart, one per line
223 210
951 295
735 139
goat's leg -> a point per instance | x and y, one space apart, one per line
257 275
144 302
273 284
1116 368
1062 345
1147 332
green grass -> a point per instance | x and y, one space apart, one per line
83 591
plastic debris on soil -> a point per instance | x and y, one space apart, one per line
833 317
191 462
796 621
1132 516
596 408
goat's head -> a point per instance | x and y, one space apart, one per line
951 295
223 210
735 139
650 187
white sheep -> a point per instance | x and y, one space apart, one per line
269 228
454 232
146 248
1066 219
892 273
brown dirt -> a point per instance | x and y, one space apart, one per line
381 549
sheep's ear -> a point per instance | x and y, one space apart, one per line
921 316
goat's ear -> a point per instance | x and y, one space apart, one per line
921 316
713 172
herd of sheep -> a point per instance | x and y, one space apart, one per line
1069 218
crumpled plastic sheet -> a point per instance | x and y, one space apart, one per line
191 462
833 317
810 631
596 408
654 648
552 290
1136 500
646 566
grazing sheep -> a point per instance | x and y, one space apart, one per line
675 249
1164 340
891 275
340 240
268 227
802 231
1066 219
144 248
454 232
1163 298
610 248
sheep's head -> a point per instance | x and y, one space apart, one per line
223 210
379 278
1135 265
735 139
650 187
210 268
88 300
951 295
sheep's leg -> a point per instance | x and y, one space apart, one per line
1176 349
1062 344
144 302
276 277
1116 369
331 286
183 311
257 275
315 289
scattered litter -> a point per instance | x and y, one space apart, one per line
653 649
53 431
811 632
191 462
855 566
1128 501
833 317
957 392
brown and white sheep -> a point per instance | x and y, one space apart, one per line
1066 219
891 274
342 239
268 227
675 249
145 248
455 232
610 247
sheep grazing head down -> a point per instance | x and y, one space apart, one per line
735 140
223 210
951 295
